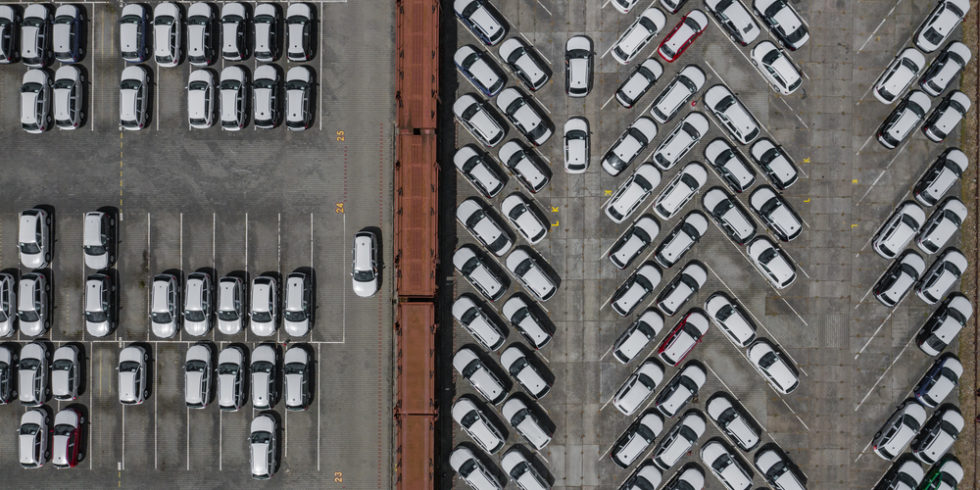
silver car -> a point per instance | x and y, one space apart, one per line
776 213
734 420
900 228
164 301
731 113
67 438
264 315
527 317
197 376
32 304
634 241
682 238
267 22
474 317
263 446
234 31
297 373
301 30
201 100
483 22
529 372
298 305
474 214
201 34
35 30
677 93
8 379
944 324
635 289
231 378
35 101
480 119
579 61
774 264
897 432
731 317
69 98
299 98
133 380
729 214
198 304
168 19
66 373
480 69
33 443
364 264
231 305
903 120
638 387
946 67
685 135
134 98
475 422
942 275
32 374
730 164
526 164
34 238
942 21
528 421
134 33
233 92
899 278
68 33
775 163
680 190
472 470
8 305
99 236
480 170
9 33
946 116
941 226
637 336
264 374
267 97
525 63
902 71
577 145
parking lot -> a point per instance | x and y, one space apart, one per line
251 202
857 358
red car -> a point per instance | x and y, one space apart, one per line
685 32
67 443
682 339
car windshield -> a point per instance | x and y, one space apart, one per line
29 248
294 368
294 316
64 83
128 366
261 316
95 316
95 249
129 84
230 84
163 20
364 276
61 365
63 430
196 366
228 368
27 316
34 21
29 429
198 20
262 367
160 317
227 315
28 364
194 315
198 85
263 83
296 85
261 437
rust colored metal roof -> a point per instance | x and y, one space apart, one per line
416 215
417 45
416 452
416 325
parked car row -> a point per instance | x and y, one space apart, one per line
911 112
35 36
41 439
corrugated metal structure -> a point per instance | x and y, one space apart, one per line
416 240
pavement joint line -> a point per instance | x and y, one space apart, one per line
880 325
865 143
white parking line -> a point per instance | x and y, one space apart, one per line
608 101
890 162
247 278
860 454
214 265
798 118
807 427
607 401
91 404
122 433
187 450
318 397
221 438
91 74
866 395
545 8
880 325
319 87
278 259
872 135
795 312
875 31
149 277
156 386
180 248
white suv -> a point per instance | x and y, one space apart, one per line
481 325
775 163
629 145
527 370
533 273
941 226
201 101
684 236
638 35
134 98
480 70
479 170
528 319
685 284
475 268
525 63
940 24
677 93
680 190
730 316
632 192
938 435
778 470
772 262
731 166
681 139
525 217
947 116
776 213
945 68
472 471
475 422
679 439
636 439
734 420
479 119
944 324
731 114
736 20
944 273
167 33
471 367
35 101
941 176
474 215
900 228
897 432
527 421
635 289
729 215
681 389
639 82
777 68
638 387
899 278
525 115
634 339
774 366
904 119
481 20
902 71
526 164
233 90
634 241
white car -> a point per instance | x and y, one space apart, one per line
639 82
902 71
636 439
201 34
483 22
774 366
483 326
784 22
680 190
632 192
168 29
689 28
300 98
638 387
778 470
134 35
267 97
682 238
480 70
635 289
34 237
729 215
197 376
32 304
947 474
529 320
682 339
680 140
35 101
69 98
522 471
301 32
68 30
579 61
629 145
134 98
235 20
577 145
731 166
527 370
777 68
33 438
946 67
201 100
734 420
35 31
944 324
475 422
900 228
525 63
634 241
775 163
624 7
941 226
526 164
133 380
66 373
776 213
905 474
472 471
897 432
480 170
364 264
690 476
263 447
645 477
685 285
476 269
736 19
899 278
730 316
231 311
636 37
8 309
726 465
482 378
525 217
731 114
941 176
164 301
946 116
32 374
936 384
679 439
938 435
677 93
904 119
940 23
264 298
527 421
479 119
637 336
772 262
533 274
944 273
264 376
474 215
267 25
198 303
525 115
231 378
233 92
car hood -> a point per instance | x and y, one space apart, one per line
229 327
